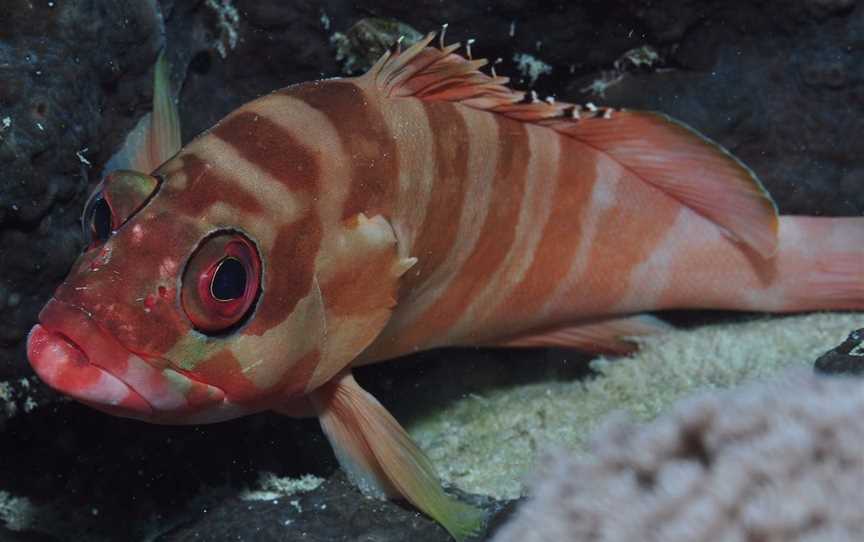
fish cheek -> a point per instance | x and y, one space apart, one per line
276 350
134 296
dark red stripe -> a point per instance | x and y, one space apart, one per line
207 186
444 208
562 235
224 371
293 383
497 235
288 273
366 139
272 148
626 237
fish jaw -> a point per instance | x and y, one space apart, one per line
66 368
71 353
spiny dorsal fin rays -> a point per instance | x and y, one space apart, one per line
156 136
665 153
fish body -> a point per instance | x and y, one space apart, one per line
342 222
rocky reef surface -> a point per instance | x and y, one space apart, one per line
779 83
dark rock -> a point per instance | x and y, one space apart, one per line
91 477
333 511
846 359
772 96
56 61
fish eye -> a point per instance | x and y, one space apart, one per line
229 280
98 221
221 283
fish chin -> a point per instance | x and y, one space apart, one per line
74 355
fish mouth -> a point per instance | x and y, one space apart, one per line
61 364
73 354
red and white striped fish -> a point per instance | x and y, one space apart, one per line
348 221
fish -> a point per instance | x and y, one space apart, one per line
337 223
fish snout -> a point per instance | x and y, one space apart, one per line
62 364
74 355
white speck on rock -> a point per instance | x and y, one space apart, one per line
16 512
271 487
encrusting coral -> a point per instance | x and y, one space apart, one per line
771 461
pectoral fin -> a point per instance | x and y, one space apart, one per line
381 458
358 275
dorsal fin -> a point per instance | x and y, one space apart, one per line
655 148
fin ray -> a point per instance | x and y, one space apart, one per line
379 454
604 336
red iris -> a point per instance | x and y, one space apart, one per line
221 283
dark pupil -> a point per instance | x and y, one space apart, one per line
229 282
101 221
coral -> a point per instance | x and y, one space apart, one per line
228 22
531 67
774 460
368 39
16 512
21 395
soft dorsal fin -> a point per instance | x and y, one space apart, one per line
655 148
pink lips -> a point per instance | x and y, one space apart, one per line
73 354
64 367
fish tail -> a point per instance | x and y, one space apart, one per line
818 265
821 263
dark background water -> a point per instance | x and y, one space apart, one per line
780 83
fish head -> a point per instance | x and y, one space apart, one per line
172 313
